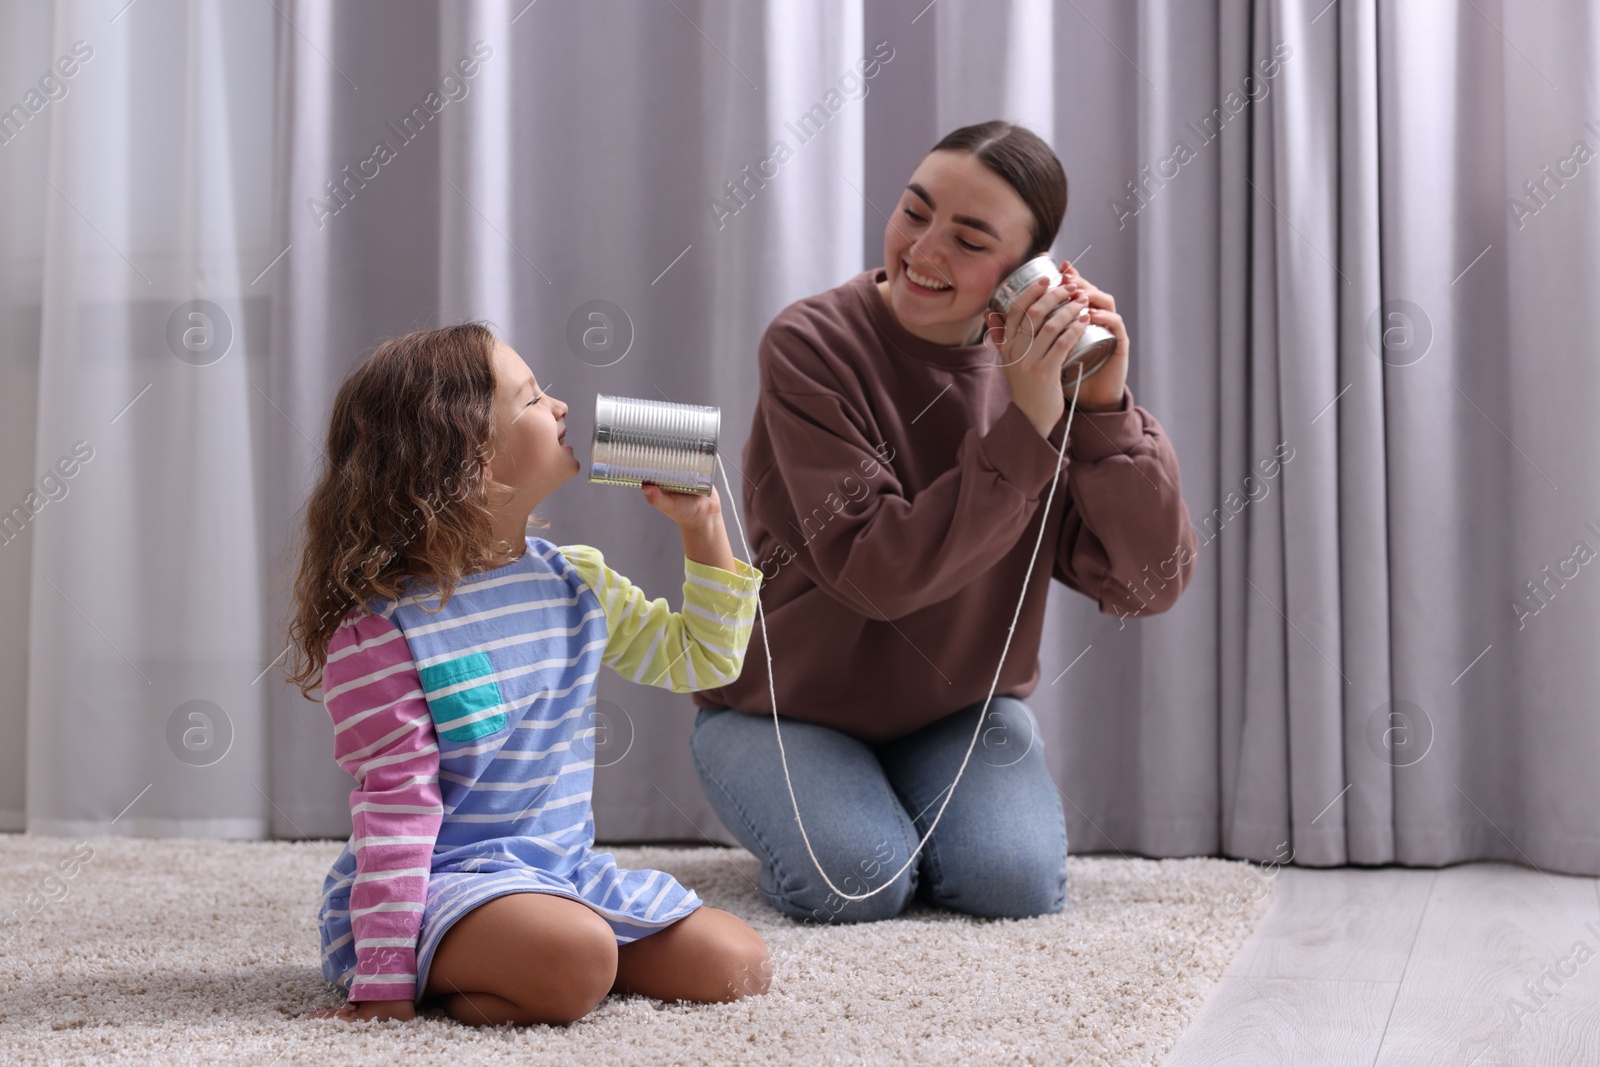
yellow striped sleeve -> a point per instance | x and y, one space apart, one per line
700 647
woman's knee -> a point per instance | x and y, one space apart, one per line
871 871
815 904
1014 886
853 821
1012 875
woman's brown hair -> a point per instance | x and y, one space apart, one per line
401 497
1027 164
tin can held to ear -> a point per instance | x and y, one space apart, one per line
1096 345
637 441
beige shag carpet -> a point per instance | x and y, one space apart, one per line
187 951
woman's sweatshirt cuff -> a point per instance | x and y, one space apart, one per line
1098 434
1016 450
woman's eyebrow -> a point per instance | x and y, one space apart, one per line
960 220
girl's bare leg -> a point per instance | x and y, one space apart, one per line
708 955
524 958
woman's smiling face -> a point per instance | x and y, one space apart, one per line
957 231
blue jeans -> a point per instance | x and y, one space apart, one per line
1000 849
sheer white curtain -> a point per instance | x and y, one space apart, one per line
136 212
1354 243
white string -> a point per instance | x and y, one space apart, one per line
772 686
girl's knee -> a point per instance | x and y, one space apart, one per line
591 966
742 956
567 971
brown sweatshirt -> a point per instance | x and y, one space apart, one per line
892 498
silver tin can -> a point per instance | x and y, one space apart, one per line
1096 345
637 441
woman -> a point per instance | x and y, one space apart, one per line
899 462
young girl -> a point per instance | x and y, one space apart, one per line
457 656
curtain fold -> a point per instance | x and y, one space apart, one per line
1356 245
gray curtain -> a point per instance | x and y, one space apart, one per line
1356 245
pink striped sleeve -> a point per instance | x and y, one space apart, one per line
384 737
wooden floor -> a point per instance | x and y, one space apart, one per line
1471 966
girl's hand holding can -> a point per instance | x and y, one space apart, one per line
693 510
699 519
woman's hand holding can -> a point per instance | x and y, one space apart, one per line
1034 339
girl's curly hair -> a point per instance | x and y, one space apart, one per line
402 497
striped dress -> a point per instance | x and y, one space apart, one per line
470 733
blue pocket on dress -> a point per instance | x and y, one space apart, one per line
463 697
